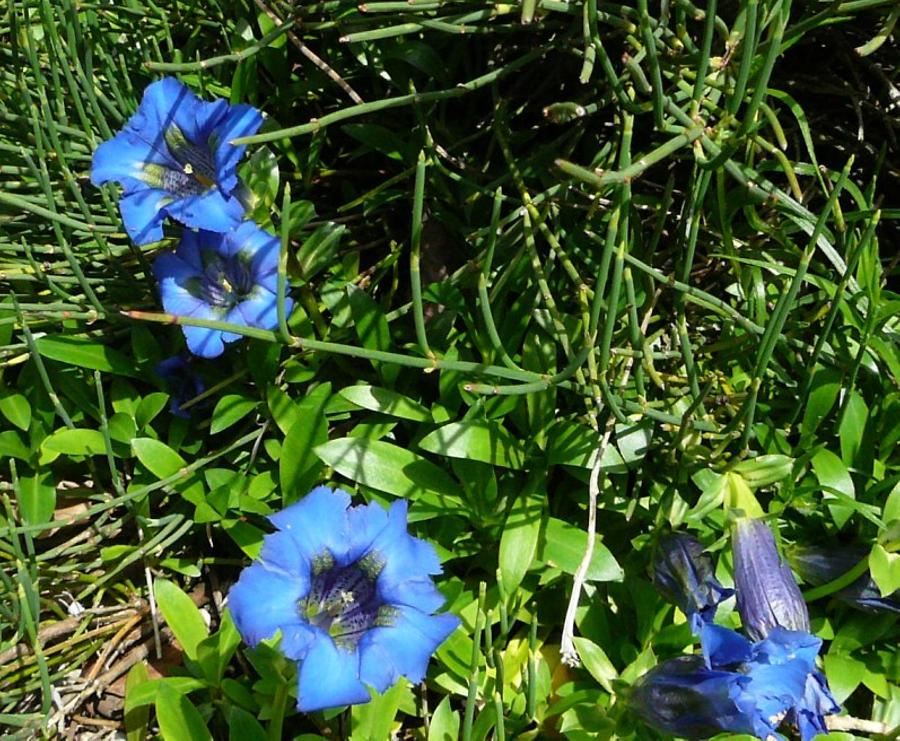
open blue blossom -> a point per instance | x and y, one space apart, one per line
741 687
819 565
183 382
351 593
174 158
767 593
229 277
683 573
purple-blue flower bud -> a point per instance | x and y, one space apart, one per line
683 574
767 593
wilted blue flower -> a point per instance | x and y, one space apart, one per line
229 277
351 593
767 593
184 383
174 158
821 565
683 573
744 687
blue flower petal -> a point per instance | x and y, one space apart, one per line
404 648
279 550
364 523
143 213
329 677
723 647
817 702
259 309
123 158
210 211
190 245
173 266
318 522
241 120
405 558
263 600
168 101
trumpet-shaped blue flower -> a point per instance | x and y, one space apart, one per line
183 382
351 593
767 593
741 687
229 277
683 573
174 158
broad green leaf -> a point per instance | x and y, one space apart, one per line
386 402
518 542
230 410
885 569
163 462
67 441
298 465
444 722
824 390
563 545
37 498
178 719
146 692
368 318
832 473
16 409
375 718
284 410
85 353
844 675
136 717
386 467
739 496
853 426
596 662
11 445
242 726
150 406
891 509
182 616
479 441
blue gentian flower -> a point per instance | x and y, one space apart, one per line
183 382
741 687
683 573
767 593
174 158
229 277
819 565
351 593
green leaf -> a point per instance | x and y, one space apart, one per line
298 465
145 693
739 497
385 467
444 722
832 473
85 353
386 401
596 662
16 409
182 616
853 426
11 445
368 318
374 719
178 719
563 545
891 509
825 386
163 462
479 441
135 717
230 410
37 498
844 675
242 726
885 569
519 539
284 410
67 441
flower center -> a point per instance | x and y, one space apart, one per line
226 281
198 171
343 601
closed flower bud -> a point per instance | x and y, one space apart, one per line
683 574
821 565
767 593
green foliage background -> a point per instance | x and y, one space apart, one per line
519 235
